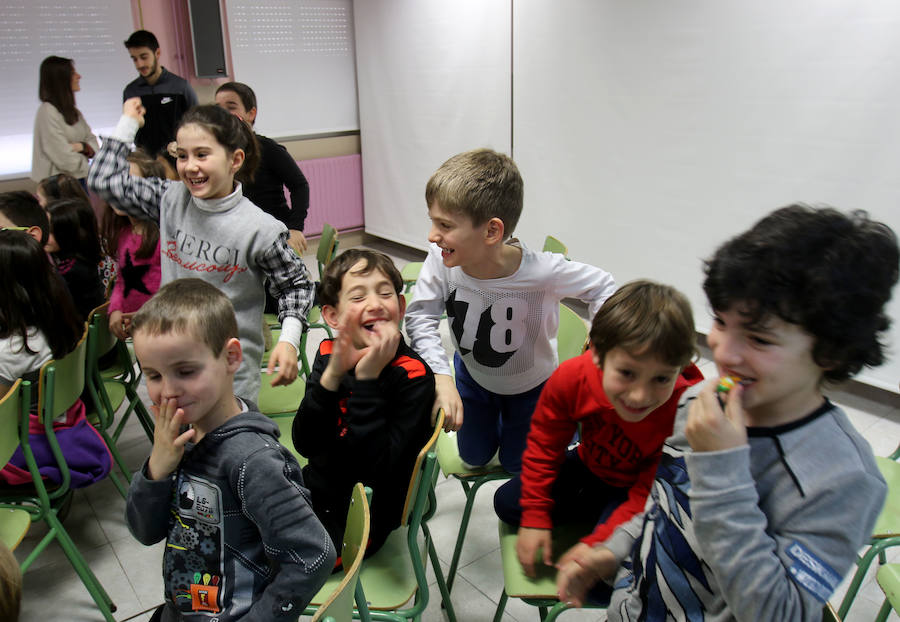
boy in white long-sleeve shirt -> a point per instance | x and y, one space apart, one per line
502 301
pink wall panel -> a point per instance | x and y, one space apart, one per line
335 193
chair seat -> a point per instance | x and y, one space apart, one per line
264 361
411 270
387 577
280 400
271 320
888 578
116 392
888 523
452 465
516 582
14 524
113 371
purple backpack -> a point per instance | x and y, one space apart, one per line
86 454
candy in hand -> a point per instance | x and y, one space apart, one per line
727 383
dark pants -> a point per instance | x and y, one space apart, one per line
579 496
493 422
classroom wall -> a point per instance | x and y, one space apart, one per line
647 132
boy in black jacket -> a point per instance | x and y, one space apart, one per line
366 413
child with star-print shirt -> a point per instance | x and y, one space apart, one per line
135 245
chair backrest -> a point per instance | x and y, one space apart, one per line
339 605
555 246
327 249
413 489
573 334
10 416
104 341
62 382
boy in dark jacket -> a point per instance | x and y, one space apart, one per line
366 412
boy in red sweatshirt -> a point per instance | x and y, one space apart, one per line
623 394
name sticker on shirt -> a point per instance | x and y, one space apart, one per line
812 573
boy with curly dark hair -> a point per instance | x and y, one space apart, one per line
763 497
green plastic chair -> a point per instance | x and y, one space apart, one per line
282 400
396 573
410 274
470 480
116 379
540 591
108 393
571 341
555 246
888 579
572 338
14 521
886 532
61 383
339 606
327 249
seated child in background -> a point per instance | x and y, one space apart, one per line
623 393
367 409
759 506
60 186
135 244
502 302
21 209
63 186
38 321
208 229
75 247
242 539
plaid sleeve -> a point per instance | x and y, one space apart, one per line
110 177
288 280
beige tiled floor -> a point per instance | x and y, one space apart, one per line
131 573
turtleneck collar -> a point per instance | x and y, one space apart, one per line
221 205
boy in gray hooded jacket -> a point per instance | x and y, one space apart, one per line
242 541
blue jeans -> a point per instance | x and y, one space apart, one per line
492 421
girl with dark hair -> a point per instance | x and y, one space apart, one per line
38 321
135 244
63 186
60 186
75 248
208 229
63 141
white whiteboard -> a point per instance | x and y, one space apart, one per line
298 57
661 129
434 80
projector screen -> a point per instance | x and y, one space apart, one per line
650 132
434 80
